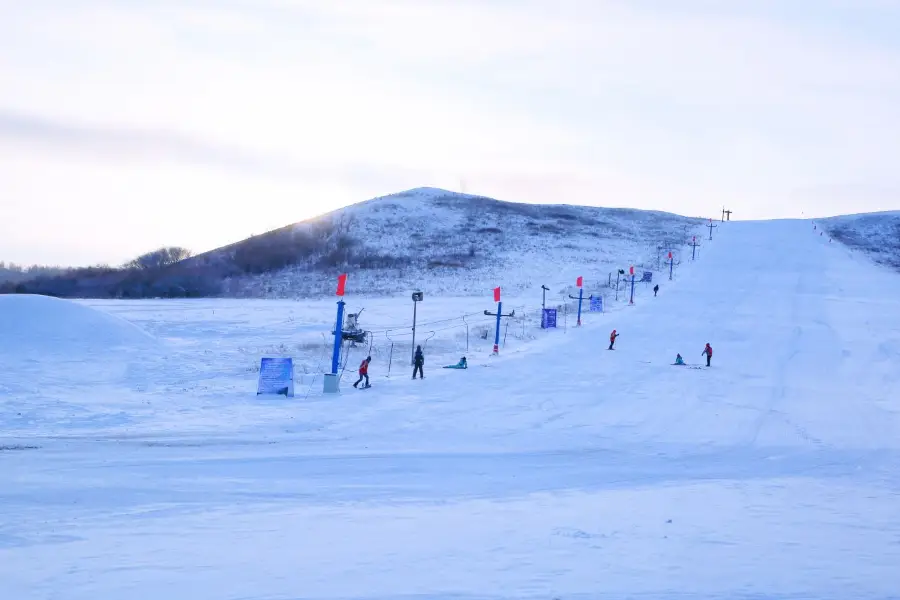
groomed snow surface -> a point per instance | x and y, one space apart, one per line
144 467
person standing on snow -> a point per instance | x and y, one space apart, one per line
364 372
612 338
708 353
418 361
655 290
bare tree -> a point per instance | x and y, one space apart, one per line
159 258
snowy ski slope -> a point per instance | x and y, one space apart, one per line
557 470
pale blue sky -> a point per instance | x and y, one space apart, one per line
127 125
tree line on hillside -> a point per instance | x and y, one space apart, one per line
173 272
160 273
11 272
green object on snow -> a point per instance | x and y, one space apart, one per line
462 364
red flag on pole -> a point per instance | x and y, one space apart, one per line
670 255
342 283
496 294
579 282
631 270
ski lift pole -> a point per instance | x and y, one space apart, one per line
544 290
338 339
416 298
580 297
390 359
338 336
694 245
466 323
391 356
498 314
632 285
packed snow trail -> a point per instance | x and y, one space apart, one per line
785 314
570 472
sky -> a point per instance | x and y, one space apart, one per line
126 125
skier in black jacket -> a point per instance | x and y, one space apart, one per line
418 361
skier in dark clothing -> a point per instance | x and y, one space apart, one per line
655 290
708 353
364 372
418 361
612 338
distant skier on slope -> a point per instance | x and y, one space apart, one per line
364 372
678 360
708 351
655 290
419 361
612 339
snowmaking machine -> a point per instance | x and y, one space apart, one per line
351 330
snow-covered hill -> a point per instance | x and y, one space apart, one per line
440 241
874 234
557 469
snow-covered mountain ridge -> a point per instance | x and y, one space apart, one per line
437 240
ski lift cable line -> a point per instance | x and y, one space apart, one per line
405 329
383 329
392 330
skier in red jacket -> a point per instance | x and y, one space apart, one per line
708 353
364 372
612 338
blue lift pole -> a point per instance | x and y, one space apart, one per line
338 338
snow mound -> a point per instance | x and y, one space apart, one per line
33 326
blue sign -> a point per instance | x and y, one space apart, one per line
276 376
548 318
647 277
597 304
